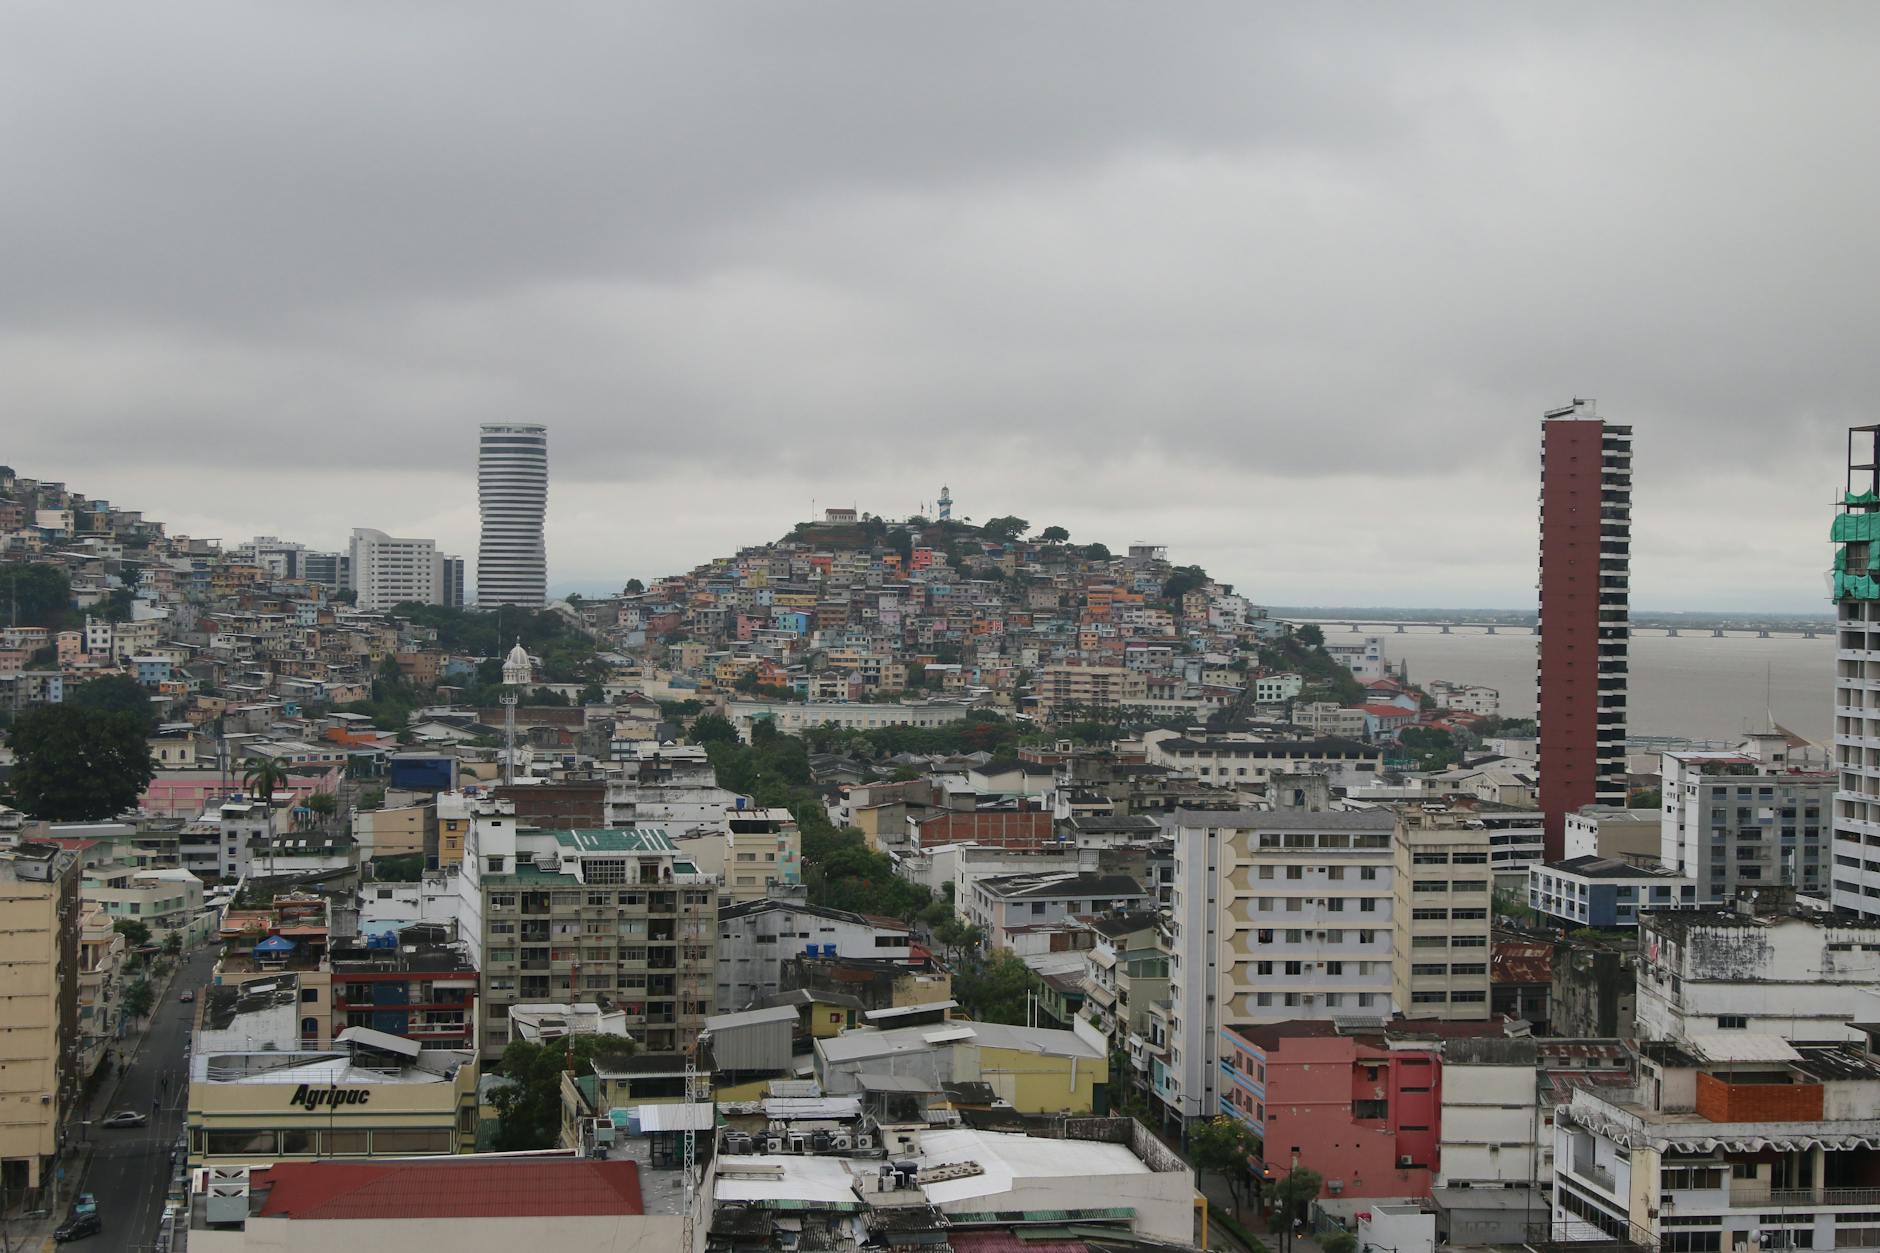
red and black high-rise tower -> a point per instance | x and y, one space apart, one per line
1585 625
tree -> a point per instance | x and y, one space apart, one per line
633 588
529 1107
406 868
76 765
36 595
372 798
1223 1146
1054 535
1183 581
135 932
712 729
262 778
1645 798
173 943
325 804
1005 529
1338 1242
1287 1198
139 999
1311 634
1096 552
117 604
115 693
592 694
1001 991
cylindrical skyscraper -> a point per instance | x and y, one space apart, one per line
512 495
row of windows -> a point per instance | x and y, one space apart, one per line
309 1143
1330 872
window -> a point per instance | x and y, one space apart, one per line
1335 872
1263 968
1266 872
410 1142
1732 1022
309 995
1334 968
1367 937
1295 968
1367 872
1367 905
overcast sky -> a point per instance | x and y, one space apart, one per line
1284 287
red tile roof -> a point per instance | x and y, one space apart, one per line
506 1188
1388 711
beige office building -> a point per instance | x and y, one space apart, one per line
1444 909
39 1021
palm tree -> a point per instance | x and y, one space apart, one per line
263 777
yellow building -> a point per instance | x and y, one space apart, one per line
1037 1071
39 1048
372 1095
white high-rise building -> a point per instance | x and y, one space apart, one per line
1279 915
387 571
512 495
1856 867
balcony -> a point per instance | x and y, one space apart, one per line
1815 1198
1597 1175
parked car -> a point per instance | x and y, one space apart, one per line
78 1227
125 1118
187 997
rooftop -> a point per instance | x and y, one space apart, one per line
506 1187
634 840
1069 883
1591 867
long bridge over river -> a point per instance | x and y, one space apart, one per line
1365 626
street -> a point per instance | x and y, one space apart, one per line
129 1171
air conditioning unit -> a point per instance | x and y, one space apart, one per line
773 1144
864 1142
1406 1160
842 1143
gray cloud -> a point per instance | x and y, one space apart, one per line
1285 287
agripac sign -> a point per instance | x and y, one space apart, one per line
310 1098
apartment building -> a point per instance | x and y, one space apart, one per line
1125 973
386 570
1856 879
1239 760
581 914
1003 905
763 852
166 901
1734 1141
1089 687
1797 974
1496 1159
1444 889
1600 892
102 952
1363 1108
757 938
1747 819
1585 565
39 977
1277 915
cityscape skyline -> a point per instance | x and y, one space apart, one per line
1292 318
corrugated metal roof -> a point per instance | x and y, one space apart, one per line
677 1116
750 1018
1737 1046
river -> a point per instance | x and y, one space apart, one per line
1698 686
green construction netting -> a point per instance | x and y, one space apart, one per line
1856 526
1862 498
1856 587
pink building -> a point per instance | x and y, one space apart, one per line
186 793
1362 1108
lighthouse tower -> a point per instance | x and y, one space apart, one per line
946 503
